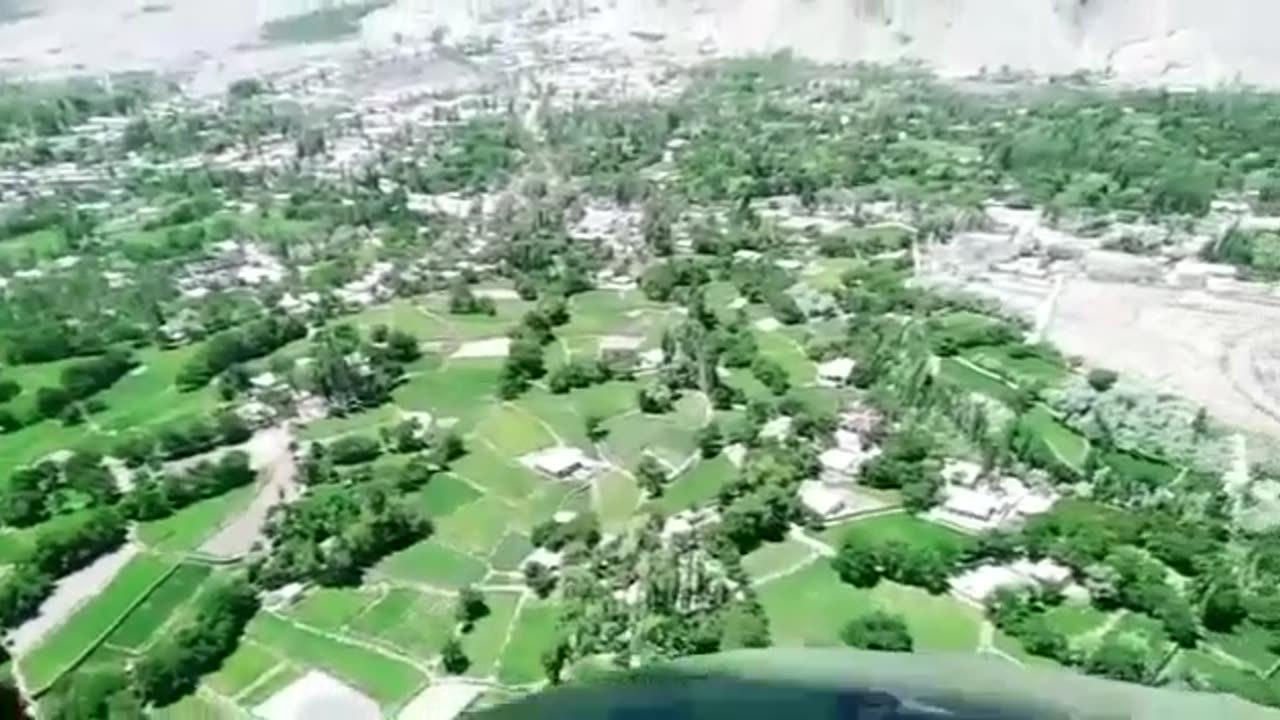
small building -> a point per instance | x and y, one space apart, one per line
980 583
776 429
825 501
835 373
549 559
318 696
839 465
560 462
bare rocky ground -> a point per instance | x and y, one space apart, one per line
270 453
1141 41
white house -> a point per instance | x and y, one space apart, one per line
839 465
560 462
835 372
825 501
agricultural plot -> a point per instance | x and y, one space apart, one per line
484 644
148 397
470 327
773 558
1063 442
900 527
1145 632
331 608
144 621
476 528
1026 369
811 605
604 312
92 622
1250 644
618 496
248 665
415 623
513 549
188 528
534 632
696 486
670 437
1074 620
972 379
195 707
277 679
1148 471
431 563
1224 676
444 494
458 389
360 422
514 432
501 476
785 351
405 316
389 681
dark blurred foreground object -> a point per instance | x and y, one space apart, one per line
784 684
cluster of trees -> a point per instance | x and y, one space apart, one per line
582 530
36 493
173 667
864 559
435 450
331 537
49 109
760 503
578 373
153 497
473 156
229 347
878 630
462 301
525 362
57 551
905 464
182 439
353 374
81 380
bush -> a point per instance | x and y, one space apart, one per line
1101 379
878 631
354 449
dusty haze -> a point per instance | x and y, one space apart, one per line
1144 41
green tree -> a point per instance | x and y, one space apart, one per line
1118 660
857 563
471 606
652 476
710 440
453 658
877 631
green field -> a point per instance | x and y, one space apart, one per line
619 497
92 621
189 527
148 398
513 549
151 614
484 643
476 528
244 667
359 422
461 389
1065 444
279 678
786 352
416 623
901 527
1144 631
503 477
1248 643
811 605
535 631
1027 371
1074 620
971 379
1224 676
388 681
698 485
443 495
514 432
195 707
1150 472
775 557
331 608
431 563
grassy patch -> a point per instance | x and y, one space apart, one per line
356 422
151 614
416 623
971 379
1074 620
670 437
619 496
901 527
459 389
188 528
242 669
535 631
484 643
786 352
1144 631
1249 643
1150 472
775 557
514 432
62 648
1225 677
431 563
444 494
194 707
404 316
331 608
1065 443
1028 370
513 549
484 467
149 398
811 605
386 680
476 528
698 485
